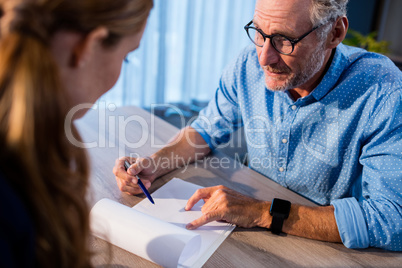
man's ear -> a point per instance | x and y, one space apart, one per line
338 32
85 48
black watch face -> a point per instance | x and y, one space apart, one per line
280 206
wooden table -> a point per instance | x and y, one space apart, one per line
111 132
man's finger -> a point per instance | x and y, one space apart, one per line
118 169
204 219
203 193
138 165
134 169
129 188
197 196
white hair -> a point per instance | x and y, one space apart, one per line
323 11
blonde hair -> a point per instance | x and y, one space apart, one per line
46 171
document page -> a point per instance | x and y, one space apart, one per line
170 201
157 232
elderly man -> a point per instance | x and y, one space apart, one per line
327 117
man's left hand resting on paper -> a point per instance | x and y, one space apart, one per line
222 203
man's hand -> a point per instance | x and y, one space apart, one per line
126 180
222 203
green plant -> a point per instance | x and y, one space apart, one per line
367 42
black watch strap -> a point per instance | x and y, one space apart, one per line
279 211
277 223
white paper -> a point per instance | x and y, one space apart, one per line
170 201
157 232
143 235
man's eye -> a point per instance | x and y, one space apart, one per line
283 41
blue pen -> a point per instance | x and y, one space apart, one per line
127 165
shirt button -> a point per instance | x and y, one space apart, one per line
281 169
284 141
294 107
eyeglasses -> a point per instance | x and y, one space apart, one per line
281 43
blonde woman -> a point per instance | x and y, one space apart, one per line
54 54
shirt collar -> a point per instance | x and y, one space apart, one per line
338 64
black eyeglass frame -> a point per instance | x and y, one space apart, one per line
265 36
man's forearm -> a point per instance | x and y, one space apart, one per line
186 147
311 222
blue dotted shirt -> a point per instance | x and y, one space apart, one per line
340 145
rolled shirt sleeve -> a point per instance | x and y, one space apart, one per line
351 224
374 216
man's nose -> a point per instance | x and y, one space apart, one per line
268 54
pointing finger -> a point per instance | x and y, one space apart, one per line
197 196
204 219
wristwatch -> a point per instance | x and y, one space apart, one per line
279 211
